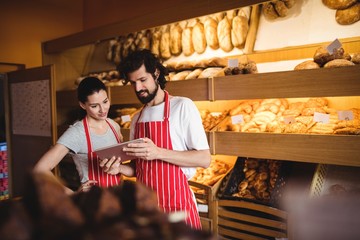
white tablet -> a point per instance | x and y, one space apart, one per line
116 150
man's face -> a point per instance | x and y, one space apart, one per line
144 84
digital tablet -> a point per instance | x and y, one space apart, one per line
116 150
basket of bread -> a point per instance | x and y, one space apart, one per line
255 180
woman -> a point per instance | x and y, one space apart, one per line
94 131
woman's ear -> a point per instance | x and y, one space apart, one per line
82 105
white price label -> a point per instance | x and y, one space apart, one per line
321 117
336 44
289 120
345 115
125 118
233 63
237 119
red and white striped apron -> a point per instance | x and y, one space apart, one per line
168 180
94 170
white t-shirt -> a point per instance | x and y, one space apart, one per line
74 139
186 129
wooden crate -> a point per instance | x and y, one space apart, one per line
246 220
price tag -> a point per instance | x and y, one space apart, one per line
237 119
336 44
345 115
125 118
321 117
289 120
233 63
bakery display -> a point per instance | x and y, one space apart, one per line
280 116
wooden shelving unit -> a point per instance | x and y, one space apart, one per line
327 149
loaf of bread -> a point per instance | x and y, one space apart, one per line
239 30
180 75
194 74
224 35
338 4
349 15
210 28
144 40
309 64
198 38
155 42
165 43
338 63
322 56
175 39
186 41
212 72
184 65
277 8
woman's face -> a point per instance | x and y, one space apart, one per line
97 105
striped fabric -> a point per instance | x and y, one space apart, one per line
166 179
95 171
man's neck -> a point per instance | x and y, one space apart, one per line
159 98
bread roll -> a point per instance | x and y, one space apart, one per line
322 56
356 58
175 39
338 63
269 11
212 72
240 28
224 35
230 14
186 41
349 15
281 8
198 38
244 12
194 74
210 28
165 43
338 4
180 75
307 65
144 42
155 42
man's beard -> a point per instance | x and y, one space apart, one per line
149 97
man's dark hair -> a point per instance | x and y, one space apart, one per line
136 59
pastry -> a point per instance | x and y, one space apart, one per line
349 15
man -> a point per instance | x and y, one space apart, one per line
174 138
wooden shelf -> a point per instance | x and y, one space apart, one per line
327 149
331 82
